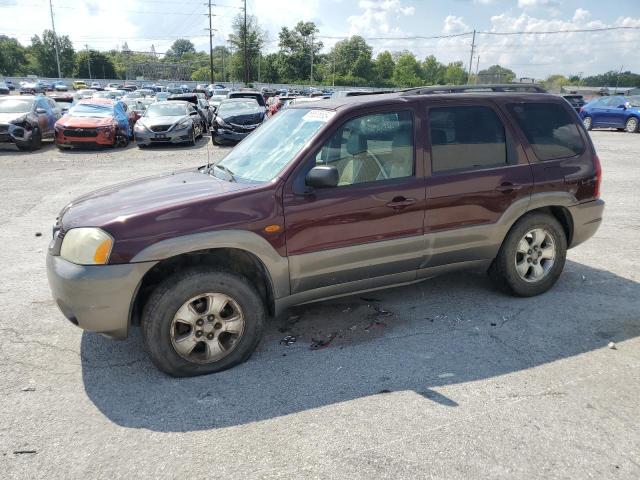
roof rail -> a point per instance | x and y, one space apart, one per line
503 87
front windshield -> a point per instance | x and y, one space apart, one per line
262 155
91 110
238 107
165 110
17 105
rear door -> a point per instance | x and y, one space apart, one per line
478 170
370 226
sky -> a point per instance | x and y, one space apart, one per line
104 25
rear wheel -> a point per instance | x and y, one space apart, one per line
587 122
632 125
531 257
202 321
192 141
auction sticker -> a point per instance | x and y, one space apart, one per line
318 115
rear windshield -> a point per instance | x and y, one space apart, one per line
549 128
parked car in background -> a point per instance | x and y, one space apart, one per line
185 88
60 86
32 88
618 112
257 96
10 84
216 96
274 104
174 121
85 93
27 120
162 96
94 121
136 106
575 100
235 119
327 200
64 101
79 84
202 107
4 89
113 86
111 94
96 86
146 92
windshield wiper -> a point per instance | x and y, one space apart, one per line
227 171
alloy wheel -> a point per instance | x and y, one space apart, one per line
632 125
206 328
535 255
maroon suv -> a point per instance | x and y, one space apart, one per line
325 200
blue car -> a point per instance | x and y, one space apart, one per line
618 112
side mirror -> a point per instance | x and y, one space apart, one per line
40 110
322 176
623 106
193 113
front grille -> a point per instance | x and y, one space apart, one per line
160 128
243 128
80 132
4 128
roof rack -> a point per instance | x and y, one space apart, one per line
504 87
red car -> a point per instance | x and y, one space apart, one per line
95 121
276 103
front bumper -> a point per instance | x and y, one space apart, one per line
587 218
14 134
100 137
98 298
146 137
224 135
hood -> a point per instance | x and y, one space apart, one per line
244 118
158 197
85 122
10 117
166 120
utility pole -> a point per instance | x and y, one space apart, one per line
618 79
88 60
473 46
55 39
475 82
210 15
311 78
333 62
246 57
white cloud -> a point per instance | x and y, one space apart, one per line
379 17
537 3
453 24
581 15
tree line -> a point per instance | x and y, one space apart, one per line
298 60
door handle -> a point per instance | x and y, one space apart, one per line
401 202
508 187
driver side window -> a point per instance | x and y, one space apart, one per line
371 148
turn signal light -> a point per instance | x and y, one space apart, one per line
272 228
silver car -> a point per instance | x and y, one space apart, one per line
169 122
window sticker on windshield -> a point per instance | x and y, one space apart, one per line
318 116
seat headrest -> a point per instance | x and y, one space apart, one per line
438 137
356 144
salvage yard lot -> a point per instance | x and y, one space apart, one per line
446 378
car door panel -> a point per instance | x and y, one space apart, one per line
356 231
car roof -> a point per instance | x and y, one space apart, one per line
355 102
97 101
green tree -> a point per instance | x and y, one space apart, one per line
555 82
254 41
384 66
44 53
297 46
179 49
351 59
433 71
613 78
407 71
13 57
496 74
455 74
100 64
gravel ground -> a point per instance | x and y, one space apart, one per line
457 381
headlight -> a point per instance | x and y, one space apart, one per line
86 246
221 122
183 124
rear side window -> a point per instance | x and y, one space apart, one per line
464 138
550 129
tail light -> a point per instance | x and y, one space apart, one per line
596 164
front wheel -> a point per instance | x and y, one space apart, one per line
531 257
35 143
202 321
632 125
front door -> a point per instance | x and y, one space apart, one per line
370 225
477 173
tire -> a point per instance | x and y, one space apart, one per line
587 122
160 327
632 125
192 142
504 270
34 144
201 131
